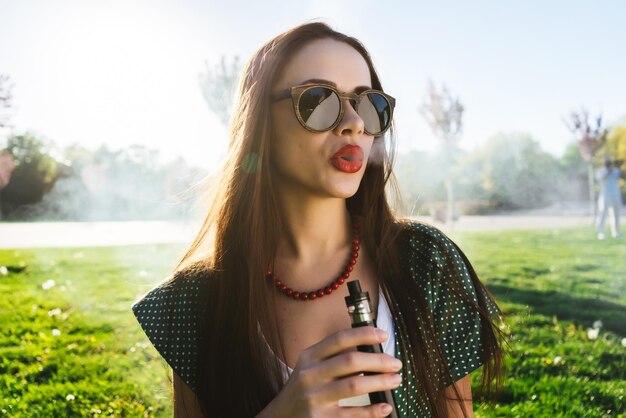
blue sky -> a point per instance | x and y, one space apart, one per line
122 72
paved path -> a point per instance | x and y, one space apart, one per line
75 234
501 222
81 234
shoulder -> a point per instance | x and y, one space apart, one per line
420 230
440 268
182 288
426 243
457 303
170 315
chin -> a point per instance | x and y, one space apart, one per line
346 191
347 187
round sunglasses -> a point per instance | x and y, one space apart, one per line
319 107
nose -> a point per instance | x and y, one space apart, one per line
351 123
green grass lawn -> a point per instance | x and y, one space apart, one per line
101 357
75 349
553 285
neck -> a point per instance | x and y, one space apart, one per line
313 228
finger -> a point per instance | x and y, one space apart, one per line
343 340
356 362
370 411
348 387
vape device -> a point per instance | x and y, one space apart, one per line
361 315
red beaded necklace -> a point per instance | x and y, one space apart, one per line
322 291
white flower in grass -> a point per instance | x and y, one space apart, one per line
70 397
143 273
4 270
557 360
597 324
79 255
48 284
624 342
54 312
56 332
592 333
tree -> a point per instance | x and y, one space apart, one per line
34 175
218 87
590 140
444 114
513 171
123 184
6 169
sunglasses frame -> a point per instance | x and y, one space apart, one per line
296 93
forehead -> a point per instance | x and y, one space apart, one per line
327 59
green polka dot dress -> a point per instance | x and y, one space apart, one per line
170 314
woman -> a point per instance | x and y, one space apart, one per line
253 321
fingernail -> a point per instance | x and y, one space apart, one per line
397 363
382 335
386 409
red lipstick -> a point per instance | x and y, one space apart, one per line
348 159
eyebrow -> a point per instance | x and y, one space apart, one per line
357 89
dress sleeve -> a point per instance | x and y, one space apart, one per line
169 315
451 295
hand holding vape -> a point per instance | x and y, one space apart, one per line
361 315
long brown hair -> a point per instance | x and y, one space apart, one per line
237 242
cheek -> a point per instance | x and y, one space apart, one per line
283 118
288 151
291 149
280 136
286 128
291 143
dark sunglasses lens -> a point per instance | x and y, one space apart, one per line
319 108
375 111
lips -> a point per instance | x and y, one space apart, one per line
349 159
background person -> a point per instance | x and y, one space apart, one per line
609 198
